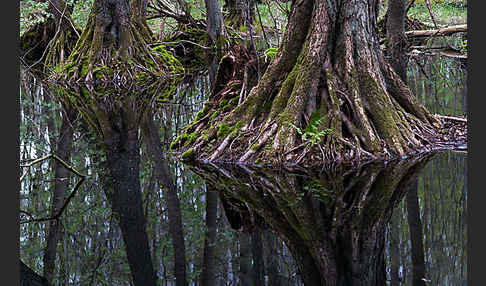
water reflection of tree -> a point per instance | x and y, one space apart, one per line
442 196
332 222
440 83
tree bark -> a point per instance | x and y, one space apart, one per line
271 261
416 235
64 147
209 259
397 41
330 80
152 141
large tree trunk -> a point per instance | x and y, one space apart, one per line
61 183
152 141
394 240
328 81
245 259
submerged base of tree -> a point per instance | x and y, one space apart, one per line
241 123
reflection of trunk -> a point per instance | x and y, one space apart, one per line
209 262
257 254
394 247
64 147
416 235
272 261
152 141
245 259
123 159
332 223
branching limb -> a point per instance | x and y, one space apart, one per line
75 189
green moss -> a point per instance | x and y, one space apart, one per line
234 100
189 155
223 130
214 115
223 102
271 53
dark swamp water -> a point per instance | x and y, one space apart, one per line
273 227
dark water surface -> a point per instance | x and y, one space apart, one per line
285 226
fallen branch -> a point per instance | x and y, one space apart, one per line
75 189
446 31
452 118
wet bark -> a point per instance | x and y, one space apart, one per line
152 141
61 175
416 235
209 260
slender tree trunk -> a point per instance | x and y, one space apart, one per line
258 263
272 261
152 141
394 248
245 259
397 41
416 235
209 259
64 147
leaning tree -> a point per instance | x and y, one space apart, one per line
328 95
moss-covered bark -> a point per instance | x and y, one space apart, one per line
328 95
